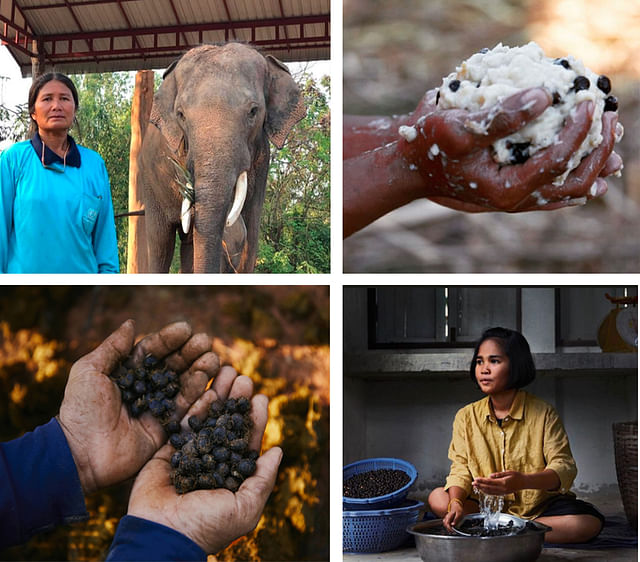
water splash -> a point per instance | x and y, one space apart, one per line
490 508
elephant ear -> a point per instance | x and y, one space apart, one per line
285 105
162 115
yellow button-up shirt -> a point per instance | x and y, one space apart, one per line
531 439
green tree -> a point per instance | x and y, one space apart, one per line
14 123
295 227
104 125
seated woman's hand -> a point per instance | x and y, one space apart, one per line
453 155
500 483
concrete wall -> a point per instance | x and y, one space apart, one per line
410 415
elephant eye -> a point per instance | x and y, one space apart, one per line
180 115
253 111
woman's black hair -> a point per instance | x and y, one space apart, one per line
40 81
522 370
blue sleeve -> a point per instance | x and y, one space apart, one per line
142 540
105 242
7 196
39 485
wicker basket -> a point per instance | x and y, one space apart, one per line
625 440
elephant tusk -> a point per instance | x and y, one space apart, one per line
238 201
185 215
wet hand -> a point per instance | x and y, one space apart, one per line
453 516
454 157
107 445
500 483
211 518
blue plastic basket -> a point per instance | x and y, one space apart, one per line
379 530
388 500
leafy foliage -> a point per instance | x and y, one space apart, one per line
14 123
104 125
295 228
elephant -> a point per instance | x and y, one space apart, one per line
204 159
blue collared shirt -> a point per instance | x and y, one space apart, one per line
56 215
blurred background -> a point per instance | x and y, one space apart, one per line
394 52
279 336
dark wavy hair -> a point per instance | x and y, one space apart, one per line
40 81
522 369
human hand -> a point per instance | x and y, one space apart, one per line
500 483
210 518
453 516
108 445
467 178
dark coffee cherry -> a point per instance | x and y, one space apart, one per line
140 373
177 440
150 361
188 465
185 483
223 421
204 443
219 434
581 83
223 469
454 85
611 103
172 427
171 390
205 482
126 380
237 422
562 62
208 462
159 379
604 84
252 455
140 387
175 459
235 458
519 152
156 408
216 408
168 405
128 396
195 423
210 422
238 445
230 405
231 484
221 454
189 448
243 405
172 377
247 467
218 479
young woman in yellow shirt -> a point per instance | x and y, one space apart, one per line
513 444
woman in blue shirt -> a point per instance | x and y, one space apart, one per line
55 200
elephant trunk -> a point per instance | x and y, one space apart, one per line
218 205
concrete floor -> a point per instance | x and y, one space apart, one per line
609 504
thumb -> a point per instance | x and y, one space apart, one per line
254 491
111 351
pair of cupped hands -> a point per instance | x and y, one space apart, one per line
109 446
524 187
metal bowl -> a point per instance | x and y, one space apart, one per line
524 547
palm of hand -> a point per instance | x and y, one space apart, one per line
456 161
107 444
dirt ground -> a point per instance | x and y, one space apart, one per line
394 52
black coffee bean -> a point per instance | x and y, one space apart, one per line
246 467
173 427
208 462
140 387
454 85
223 469
581 83
219 434
238 445
562 62
194 423
159 379
150 361
171 390
205 482
175 459
611 103
216 409
604 84
221 454
184 484
519 152
156 408
243 405
126 380
177 440
231 483
374 483
204 443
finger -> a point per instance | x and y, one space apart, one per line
259 418
182 358
614 164
242 386
584 181
111 352
544 166
224 381
199 409
254 491
507 117
161 343
194 380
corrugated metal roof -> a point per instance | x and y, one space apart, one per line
78 36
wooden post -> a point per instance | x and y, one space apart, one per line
137 258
